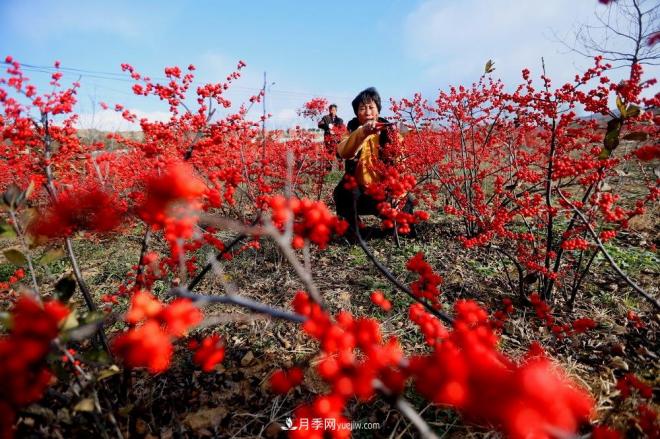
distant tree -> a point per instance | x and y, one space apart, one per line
626 33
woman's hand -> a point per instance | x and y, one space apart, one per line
370 127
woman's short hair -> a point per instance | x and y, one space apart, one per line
364 97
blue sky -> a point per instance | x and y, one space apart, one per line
309 49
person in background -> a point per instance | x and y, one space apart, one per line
331 124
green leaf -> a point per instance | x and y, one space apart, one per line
81 332
96 356
15 256
6 230
70 322
5 320
621 106
51 256
65 287
611 138
94 317
633 111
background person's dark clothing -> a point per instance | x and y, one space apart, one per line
330 139
325 122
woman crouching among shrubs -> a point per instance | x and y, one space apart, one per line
363 150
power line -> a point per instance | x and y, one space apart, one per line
113 76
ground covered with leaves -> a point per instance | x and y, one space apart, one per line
235 399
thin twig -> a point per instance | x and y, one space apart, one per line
226 249
234 299
26 248
87 295
388 274
609 259
285 247
407 410
52 191
143 251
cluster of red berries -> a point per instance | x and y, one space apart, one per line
467 372
648 152
90 209
502 315
281 381
575 244
23 355
433 330
208 352
607 235
150 344
16 277
647 419
630 382
426 286
348 373
311 220
635 319
171 193
560 331
379 299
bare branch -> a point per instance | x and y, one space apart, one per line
609 259
408 411
234 299
280 239
624 21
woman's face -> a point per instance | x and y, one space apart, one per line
367 111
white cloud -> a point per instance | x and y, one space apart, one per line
453 40
109 120
285 118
